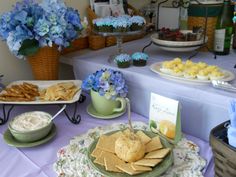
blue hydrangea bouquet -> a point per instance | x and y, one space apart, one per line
30 26
107 82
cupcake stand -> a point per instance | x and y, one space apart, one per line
119 40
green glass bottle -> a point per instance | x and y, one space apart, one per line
224 29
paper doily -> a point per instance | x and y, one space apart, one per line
72 160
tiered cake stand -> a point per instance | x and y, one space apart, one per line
119 40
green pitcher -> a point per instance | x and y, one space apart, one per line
105 106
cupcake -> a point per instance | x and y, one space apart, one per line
137 23
103 24
123 60
139 59
120 24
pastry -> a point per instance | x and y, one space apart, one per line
139 59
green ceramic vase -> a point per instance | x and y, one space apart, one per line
107 107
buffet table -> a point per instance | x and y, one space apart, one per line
203 107
38 161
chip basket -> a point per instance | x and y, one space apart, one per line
224 154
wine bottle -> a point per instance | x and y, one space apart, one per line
224 30
234 21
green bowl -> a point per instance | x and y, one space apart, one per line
32 135
157 170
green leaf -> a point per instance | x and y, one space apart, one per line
29 47
153 124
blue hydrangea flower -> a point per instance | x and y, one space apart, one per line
49 22
106 82
42 27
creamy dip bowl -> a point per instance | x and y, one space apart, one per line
30 126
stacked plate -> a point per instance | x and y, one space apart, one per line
178 46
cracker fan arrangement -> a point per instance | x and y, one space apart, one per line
129 152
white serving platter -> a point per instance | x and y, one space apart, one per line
178 46
43 85
229 76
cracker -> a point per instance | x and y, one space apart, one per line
20 92
140 168
100 159
96 152
128 169
144 138
148 162
159 154
60 91
116 135
111 161
154 144
107 143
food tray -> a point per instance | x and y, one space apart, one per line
43 85
229 76
155 39
178 46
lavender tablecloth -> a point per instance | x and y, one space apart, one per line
203 107
38 161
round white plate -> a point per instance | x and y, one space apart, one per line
177 46
179 49
229 76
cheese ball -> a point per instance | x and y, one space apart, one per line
129 147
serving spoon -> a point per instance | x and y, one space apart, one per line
129 118
59 112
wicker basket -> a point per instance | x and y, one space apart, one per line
224 154
200 21
77 44
196 17
45 63
96 42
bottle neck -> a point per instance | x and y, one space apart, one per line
226 3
